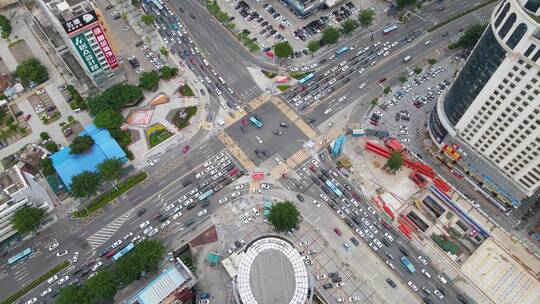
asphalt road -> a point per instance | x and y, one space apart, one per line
308 187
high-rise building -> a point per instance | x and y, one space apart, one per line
79 24
492 109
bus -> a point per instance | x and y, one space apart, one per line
342 51
19 256
334 188
307 78
257 123
206 195
158 5
123 251
389 29
407 264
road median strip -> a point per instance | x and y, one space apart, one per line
14 297
111 195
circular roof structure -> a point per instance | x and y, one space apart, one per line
272 271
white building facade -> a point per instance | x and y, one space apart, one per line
493 106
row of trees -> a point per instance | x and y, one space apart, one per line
145 257
87 183
470 36
331 35
5 27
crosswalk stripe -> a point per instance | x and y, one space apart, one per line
105 233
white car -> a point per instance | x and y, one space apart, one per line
438 294
52 279
75 257
177 215
360 232
316 203
412 286
199 175
424 272
205 62
321 276
127 236
223 200
136 238
202 212
31 301
373 229
97 265
116 244
63 280
422 259
265 186
239 187
153 232
362 85
324 197
390 264
46 292
257 190
148 230
53 246
378 243
259 140
389 236
354 299
373 246
165 224
61 253
235 194
369 234
327 111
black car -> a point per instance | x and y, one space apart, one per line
300 197
391 283
404 251
85 272
461 299
328 285
355 241
333 274
337 280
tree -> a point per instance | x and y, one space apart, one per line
27 219
72 293
284 216
471 35
145 257
136 3
103 285
111 169
386 90
283 49
374 101
44 135
313 46
81 144
349 26
31 70
108 119
418 70
402 79
85 184
148 19
114 98
330 35
395 161
51 146
432 61
365 17
404 3
47 167
5 27
167 72
149 81
164 51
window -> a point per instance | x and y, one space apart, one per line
532 5
529 50
501 17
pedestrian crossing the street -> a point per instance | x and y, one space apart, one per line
104 234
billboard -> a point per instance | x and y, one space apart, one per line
80 22
87 54
101 39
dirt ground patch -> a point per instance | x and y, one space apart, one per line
20 51
207 237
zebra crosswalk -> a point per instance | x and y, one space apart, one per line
104 234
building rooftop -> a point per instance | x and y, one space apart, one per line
105 147
11 180
164 285
66 10
272 271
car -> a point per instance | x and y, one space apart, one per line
390 264
355 241
144 224
185 149
259 140
63 280
257 190
462 299
141 212
61 253
202 212
424 272
412 286
116 244
204 301
426 290
391 283
328 285
52 279
46 292
428 42
324 197
165 224
31 301
97 265
75 257
422 259
389 236
337 231
153 232
438 293
300 198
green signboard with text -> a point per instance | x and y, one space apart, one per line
87 54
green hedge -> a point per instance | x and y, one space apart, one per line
283 87
457 16
299 75
186 90
106 198
14 297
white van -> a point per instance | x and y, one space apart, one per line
442 279
221 80
407 58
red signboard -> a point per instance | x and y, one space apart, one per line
105 47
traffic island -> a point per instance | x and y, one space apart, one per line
183 115
157 134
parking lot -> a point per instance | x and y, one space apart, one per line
263 143
269 22
44 107
398 113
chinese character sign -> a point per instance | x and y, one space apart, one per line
105 47
80 22
87 54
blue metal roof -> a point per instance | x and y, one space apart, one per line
161 287
105 147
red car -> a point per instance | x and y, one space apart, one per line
382 79
374 122
244 122
27 117
185 149
337 231
110 254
